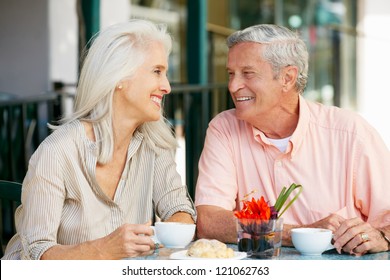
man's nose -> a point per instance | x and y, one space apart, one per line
235 84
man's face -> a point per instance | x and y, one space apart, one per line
253 86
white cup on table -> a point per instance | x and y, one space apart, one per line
173 234
311 241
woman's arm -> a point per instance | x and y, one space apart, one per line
43 221
125 242
170 196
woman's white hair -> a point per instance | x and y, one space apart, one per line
115 54
282 48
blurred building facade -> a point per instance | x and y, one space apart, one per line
348 43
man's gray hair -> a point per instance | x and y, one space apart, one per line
283 47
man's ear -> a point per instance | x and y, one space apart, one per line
289 77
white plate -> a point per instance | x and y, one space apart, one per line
182 255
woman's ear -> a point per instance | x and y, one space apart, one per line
289 77
121 85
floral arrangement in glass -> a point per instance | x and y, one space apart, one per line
260 226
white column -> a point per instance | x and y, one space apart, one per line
373 60
114 11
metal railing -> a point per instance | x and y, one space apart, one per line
23 124
193 106
23 127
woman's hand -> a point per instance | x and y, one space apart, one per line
356 237
127 241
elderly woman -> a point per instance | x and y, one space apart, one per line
95 185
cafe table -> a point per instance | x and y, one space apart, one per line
287 253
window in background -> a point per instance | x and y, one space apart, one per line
329 29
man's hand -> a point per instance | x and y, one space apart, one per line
356 237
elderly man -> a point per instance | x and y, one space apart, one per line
274 137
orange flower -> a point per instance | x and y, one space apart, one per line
262 211
255 209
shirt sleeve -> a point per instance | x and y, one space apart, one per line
43 194
372 179
217 179
169 194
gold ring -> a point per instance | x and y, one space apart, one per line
364 237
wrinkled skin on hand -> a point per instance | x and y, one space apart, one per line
332 222
128 240
348 238
347 235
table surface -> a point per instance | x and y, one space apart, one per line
287 253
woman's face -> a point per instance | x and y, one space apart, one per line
139 99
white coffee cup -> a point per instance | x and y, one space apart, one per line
174 235
311 241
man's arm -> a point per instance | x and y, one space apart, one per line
216 223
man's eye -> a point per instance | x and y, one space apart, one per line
157 71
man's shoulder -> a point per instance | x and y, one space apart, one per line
337 118
227 116
227 121
226 124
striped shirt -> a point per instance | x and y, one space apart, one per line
63 204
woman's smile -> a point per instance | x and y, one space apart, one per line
157 100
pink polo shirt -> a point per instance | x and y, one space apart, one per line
339 159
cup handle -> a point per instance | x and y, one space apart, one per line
330 246
154 237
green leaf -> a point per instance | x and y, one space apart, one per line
283 196
279 203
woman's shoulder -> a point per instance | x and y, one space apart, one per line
66 129
64 136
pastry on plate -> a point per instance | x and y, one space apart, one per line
209 248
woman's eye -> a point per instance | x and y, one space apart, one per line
157 71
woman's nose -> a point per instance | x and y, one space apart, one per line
166 86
